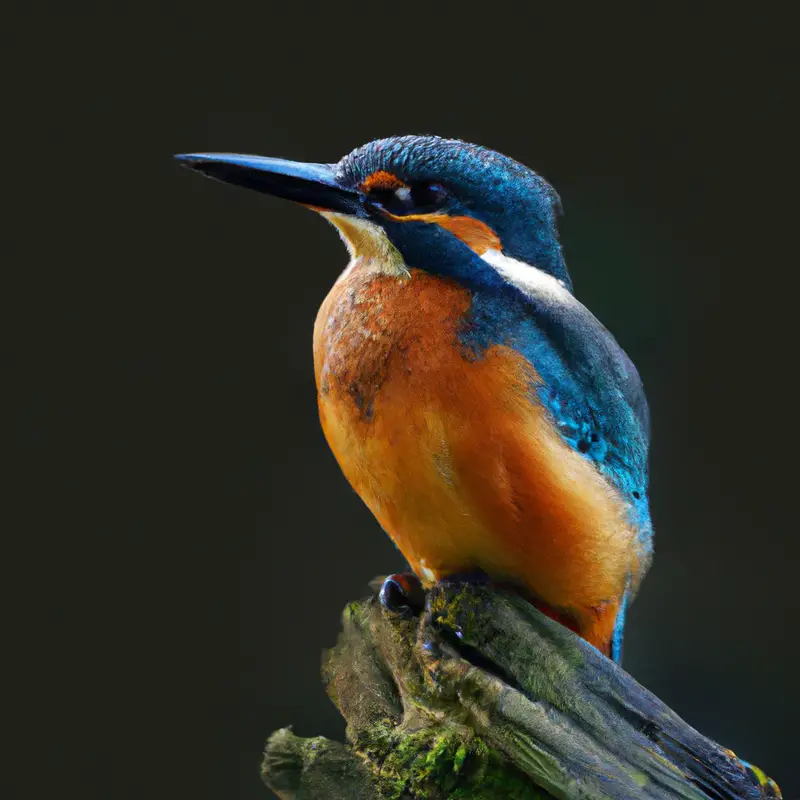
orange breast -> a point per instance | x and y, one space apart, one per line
455 458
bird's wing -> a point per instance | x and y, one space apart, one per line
587 382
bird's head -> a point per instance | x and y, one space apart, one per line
423 197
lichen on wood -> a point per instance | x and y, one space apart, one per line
481 696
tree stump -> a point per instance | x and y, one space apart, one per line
482 696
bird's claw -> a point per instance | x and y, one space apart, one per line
402 593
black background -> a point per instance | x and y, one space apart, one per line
181 541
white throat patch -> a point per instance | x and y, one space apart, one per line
368 245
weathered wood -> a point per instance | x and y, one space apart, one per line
482 696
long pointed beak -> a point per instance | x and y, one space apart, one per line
310 184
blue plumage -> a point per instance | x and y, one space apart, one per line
513 200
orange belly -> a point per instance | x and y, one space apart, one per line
458 463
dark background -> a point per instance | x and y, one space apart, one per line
181 541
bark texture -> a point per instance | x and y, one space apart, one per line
481 696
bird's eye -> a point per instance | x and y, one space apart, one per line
428 195
419 198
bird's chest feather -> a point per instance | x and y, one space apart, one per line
452 452
378 337
405 409
394 375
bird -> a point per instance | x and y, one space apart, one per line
485 416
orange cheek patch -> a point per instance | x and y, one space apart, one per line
383 181
476 235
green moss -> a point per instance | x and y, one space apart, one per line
457 612
433 763
355 612
461 757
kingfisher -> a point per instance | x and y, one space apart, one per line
487 419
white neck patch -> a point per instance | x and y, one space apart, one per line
531 280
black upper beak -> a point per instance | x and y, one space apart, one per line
310 184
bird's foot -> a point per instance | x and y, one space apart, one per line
402 593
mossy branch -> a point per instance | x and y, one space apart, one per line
481 696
